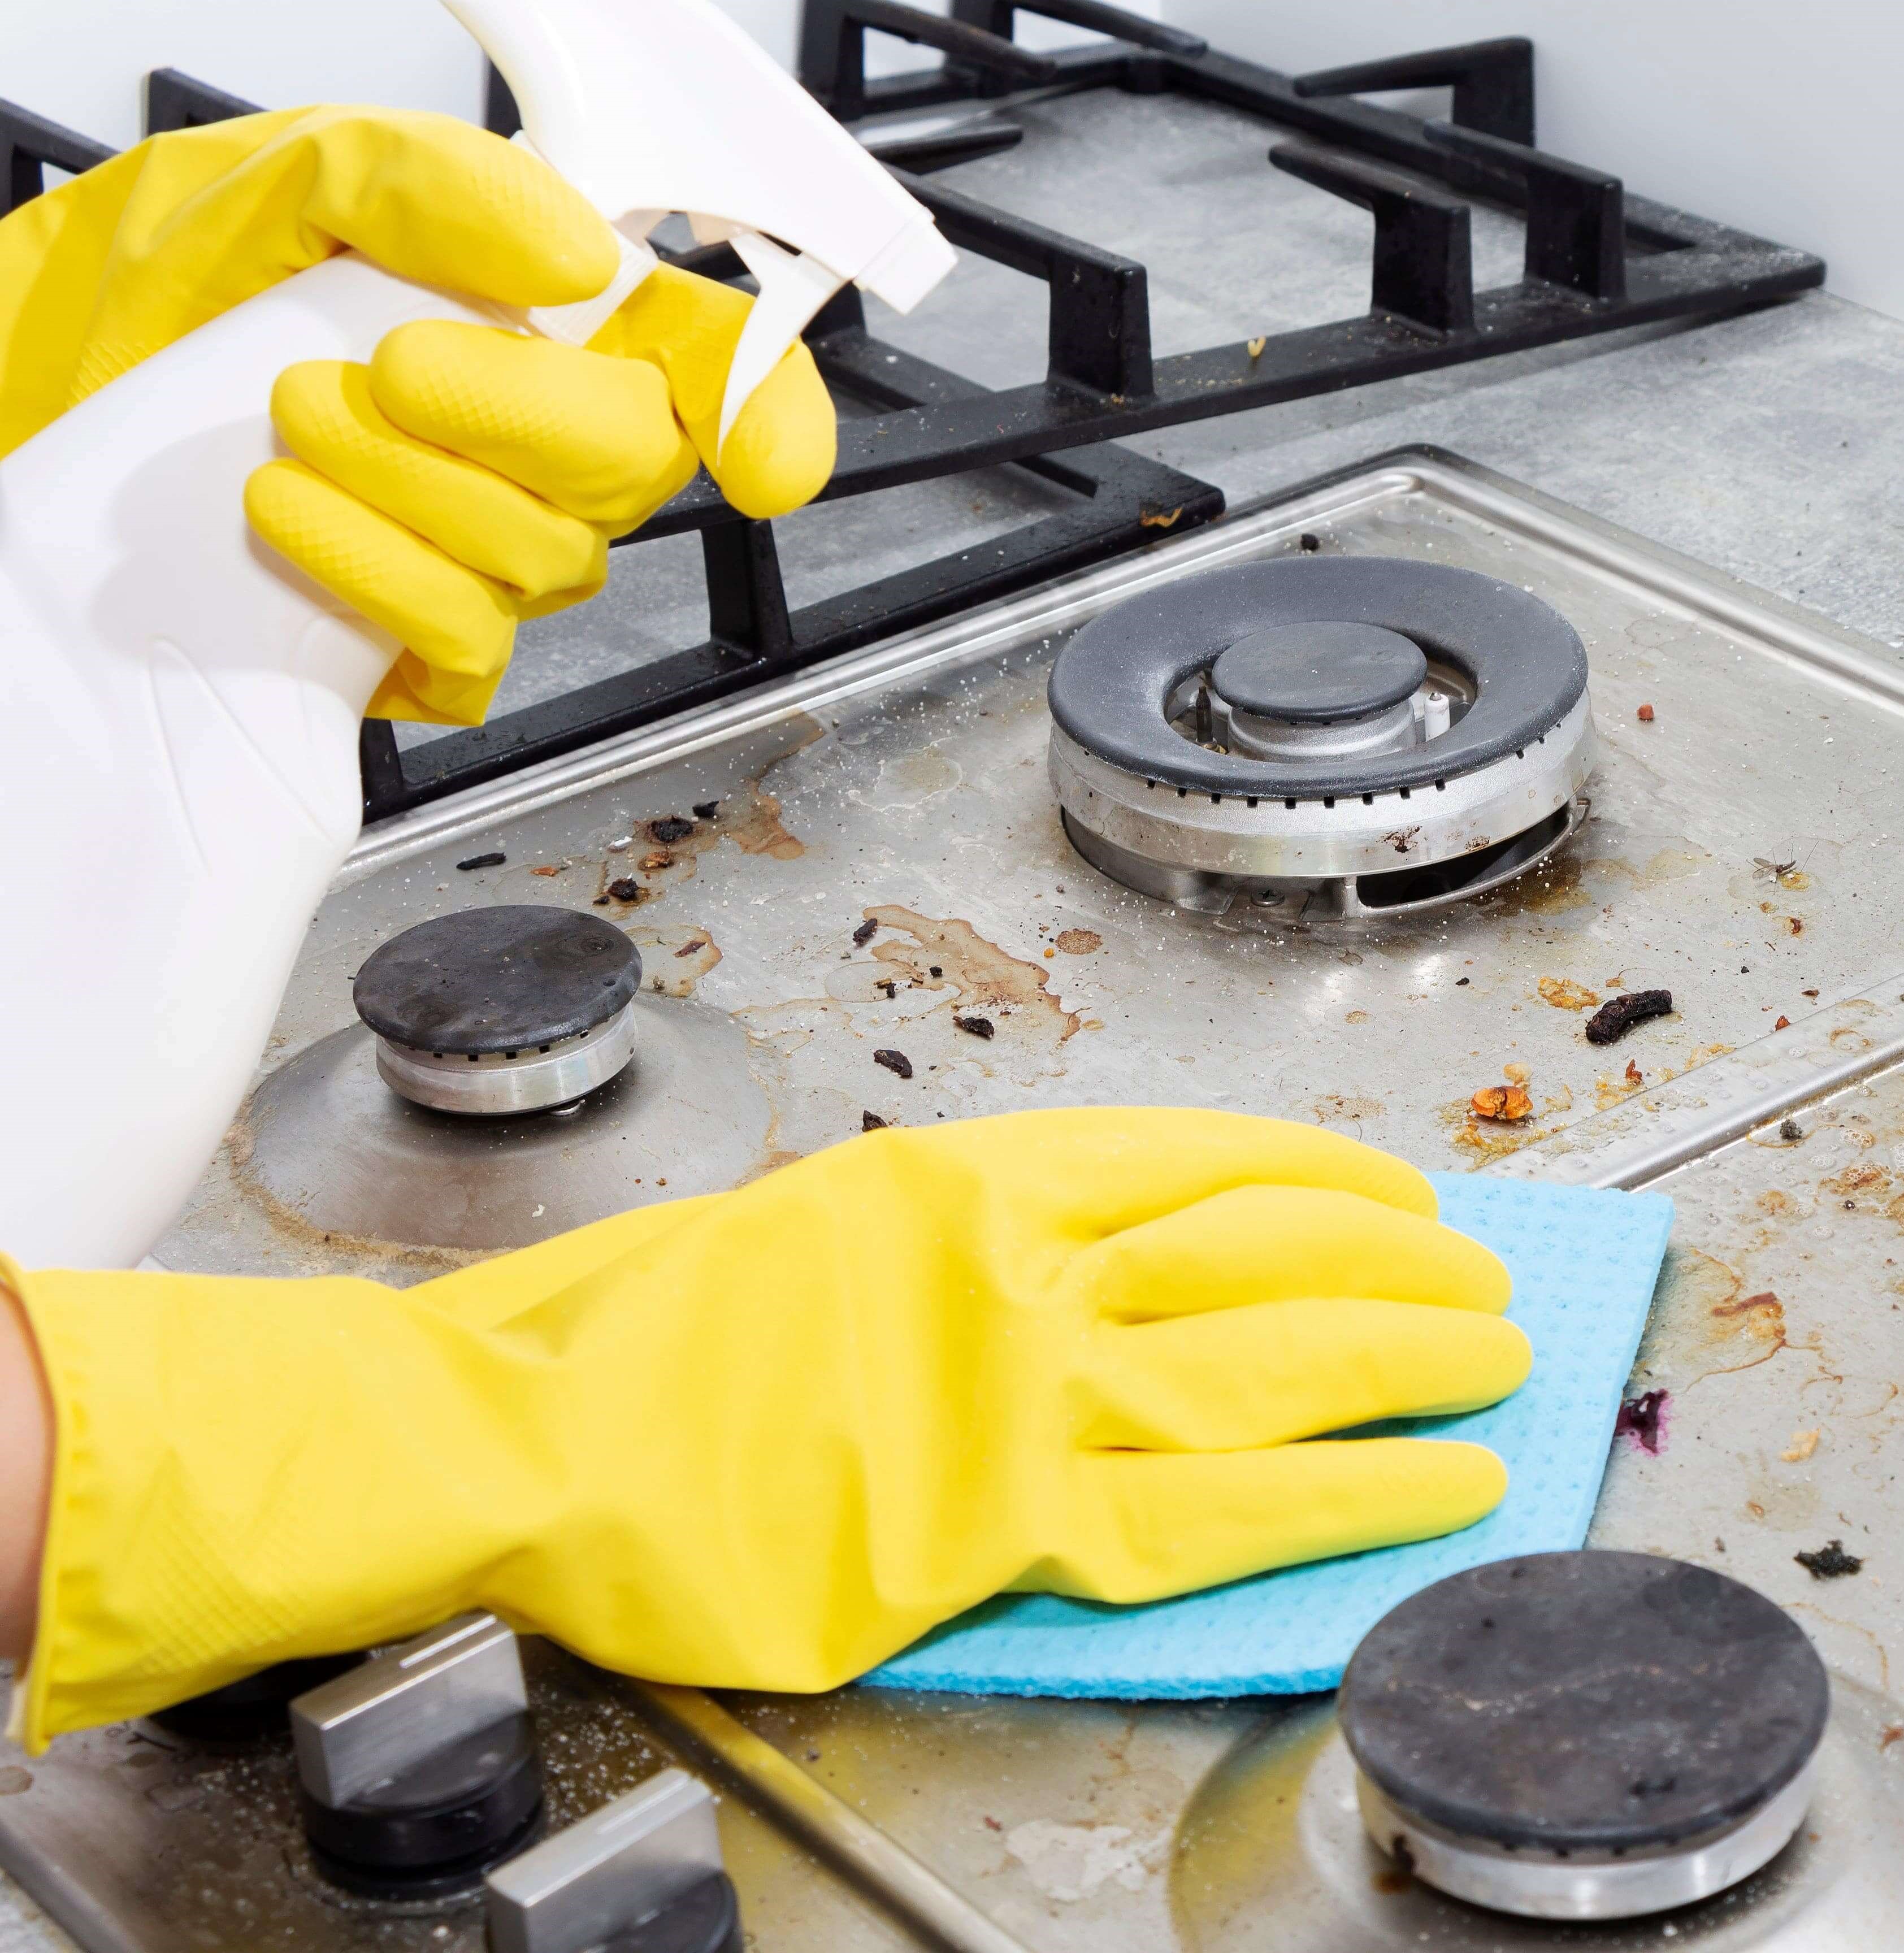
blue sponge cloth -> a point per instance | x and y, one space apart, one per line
1584 1262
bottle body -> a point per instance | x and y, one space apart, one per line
179 713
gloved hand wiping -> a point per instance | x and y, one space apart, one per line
766 1438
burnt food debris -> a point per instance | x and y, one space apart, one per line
1612 1021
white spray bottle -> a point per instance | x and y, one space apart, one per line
179 709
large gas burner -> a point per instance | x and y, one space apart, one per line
1329 738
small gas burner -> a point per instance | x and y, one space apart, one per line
1331 738
1584 1735
505 1011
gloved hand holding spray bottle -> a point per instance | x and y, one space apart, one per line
729 1440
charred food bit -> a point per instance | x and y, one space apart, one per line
1645 715
705 809
871 1122
1830 1562
1502 1102
626 889
979 1027
1309 543
1790 1131
890 984
1783 1024
490 861
688 948
1612 1021
864 934
1639 1419
894 1060
670 829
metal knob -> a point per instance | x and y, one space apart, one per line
643 1872
418 1771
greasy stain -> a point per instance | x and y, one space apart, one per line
673 962
951 955
329 1245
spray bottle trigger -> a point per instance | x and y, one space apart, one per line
793 287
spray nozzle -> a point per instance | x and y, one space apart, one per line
652 106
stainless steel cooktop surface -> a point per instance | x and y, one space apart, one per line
1736 851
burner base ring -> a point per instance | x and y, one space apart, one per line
1348 898
502 1085
1535 1885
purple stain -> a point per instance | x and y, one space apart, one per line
1643 1419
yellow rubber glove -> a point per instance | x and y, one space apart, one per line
468 479
768 1440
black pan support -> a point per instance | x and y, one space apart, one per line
1597 260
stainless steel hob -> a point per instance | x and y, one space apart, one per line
1736 851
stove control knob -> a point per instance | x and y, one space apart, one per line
259 1705
642 1875
418 1771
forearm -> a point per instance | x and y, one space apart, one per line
26 1469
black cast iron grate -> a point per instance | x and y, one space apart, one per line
1596 260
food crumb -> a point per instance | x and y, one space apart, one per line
1078 941
1508 1102
1783 1024
626 889
1634 1075
979 1027
1830 1562
894 1061
688 948
549 868
1790 1131
1645 715
1309 543
705 809
865 933
660 858
669 828
1566 995
493 860
1256 345
1612 1021
1803 1443
871 1122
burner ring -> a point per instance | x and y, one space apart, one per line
1111 684
1585 1734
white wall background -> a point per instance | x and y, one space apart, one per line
1779 117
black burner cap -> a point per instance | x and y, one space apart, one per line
497 979
1319 673
1592 1703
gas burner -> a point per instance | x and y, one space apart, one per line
1584 1735
501 1010
1329 738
